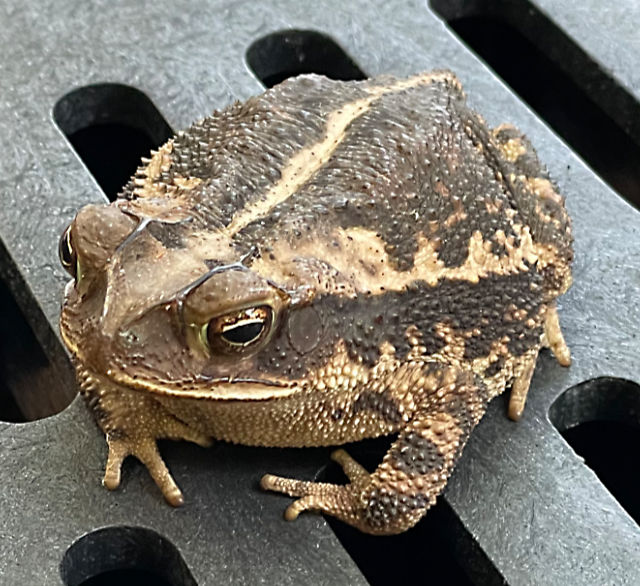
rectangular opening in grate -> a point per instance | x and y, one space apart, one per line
531 67
126 556
30 386
288 53
111 126
600 419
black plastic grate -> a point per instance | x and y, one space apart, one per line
521 508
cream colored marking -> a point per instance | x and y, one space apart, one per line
168 204
497 350
546 218
443 429
513 149
519 314
157 199
160 161
304 164
441 189
387 349
458 214
554 336
454 343
341 372
493 206
186 182
543 188
359 244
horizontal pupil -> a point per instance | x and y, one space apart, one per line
243 334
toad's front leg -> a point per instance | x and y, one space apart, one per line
132 423
413 472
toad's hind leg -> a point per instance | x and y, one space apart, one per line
412 473
552 338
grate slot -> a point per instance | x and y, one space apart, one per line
287 53
600 419
111 126
532 66
30 386
126 556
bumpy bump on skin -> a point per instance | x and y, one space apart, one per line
325 262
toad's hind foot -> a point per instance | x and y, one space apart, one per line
520 389
355 472
554 337
332 499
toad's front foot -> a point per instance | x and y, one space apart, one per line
146 450
132 424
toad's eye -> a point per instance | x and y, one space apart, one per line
239 330
67 254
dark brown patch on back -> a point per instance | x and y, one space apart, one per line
365 322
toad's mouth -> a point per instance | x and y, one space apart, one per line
208 388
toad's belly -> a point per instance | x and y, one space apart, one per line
315 420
